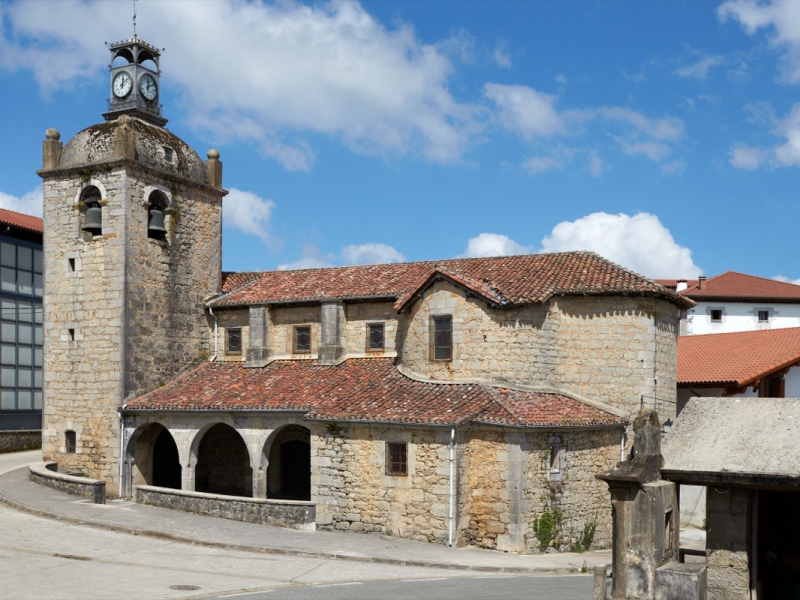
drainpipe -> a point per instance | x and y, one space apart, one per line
216 340
121 450
452 487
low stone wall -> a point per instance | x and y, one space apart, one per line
287 513
47 474
19 440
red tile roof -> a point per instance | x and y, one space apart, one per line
529 278
9 217
364 390
739 286
739 359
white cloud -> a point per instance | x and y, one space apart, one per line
274 73
655 151
640 243
29 203
596 164
674 168
501 56
781 18
523 110
371 254
542 164
250 214
700 69
311 259
786 279
746 157
460 45
494 244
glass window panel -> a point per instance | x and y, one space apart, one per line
38 285
8 355
37 379
25 282
8 400
8 332
38 336
38 262
37 400
25 258
25 334
24 378
24 399
8 377
8 255
25 312
8 279
24 356
38 313
37 357
9 308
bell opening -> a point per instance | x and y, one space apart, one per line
93 220
156 228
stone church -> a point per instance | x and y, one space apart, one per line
454 401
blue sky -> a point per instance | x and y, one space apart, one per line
663 135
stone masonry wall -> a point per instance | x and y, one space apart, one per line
20 439
507 483
607 348
727 543
283 321
231 318
362 313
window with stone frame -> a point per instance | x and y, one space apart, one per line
301 339
396 458
442 338
234 341
555 457
763 316
69 442
375 337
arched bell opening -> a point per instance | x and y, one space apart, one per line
122 58
223 463
156 215
91 212
289 471
154 457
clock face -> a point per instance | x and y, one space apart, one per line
122 85
147 85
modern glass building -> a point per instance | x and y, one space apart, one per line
21 316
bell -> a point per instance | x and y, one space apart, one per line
156 225
93 223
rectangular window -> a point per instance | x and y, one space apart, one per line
396 458
772 388
442 338
716 315
69 442
234 341
763 316
301 343
375 337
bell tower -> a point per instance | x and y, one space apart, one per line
133 247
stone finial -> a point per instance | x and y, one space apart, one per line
51 149
214 168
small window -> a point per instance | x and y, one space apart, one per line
555 458
442 338
763 316
234 341
396 458
375 337
71 333
71 264
69 442
169 154
302 340
716 315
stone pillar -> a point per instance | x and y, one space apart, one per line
332 344
124 138
187 476
515 481
258 351
727 542
214 168
51 149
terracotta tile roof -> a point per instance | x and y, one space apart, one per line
364 390
740 286
31 223
739 359
529 278
233 281
673 283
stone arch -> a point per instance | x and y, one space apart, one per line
90 197
153 457
222 461
148 191
160 198
288 456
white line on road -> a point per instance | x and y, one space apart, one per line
429 579
338 584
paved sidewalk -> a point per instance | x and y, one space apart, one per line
18 491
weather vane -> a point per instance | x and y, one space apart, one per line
134 18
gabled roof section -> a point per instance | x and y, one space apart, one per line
740 286
474 286
736 359
523 279
15 219
365 390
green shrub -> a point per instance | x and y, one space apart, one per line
546 527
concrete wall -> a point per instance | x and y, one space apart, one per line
740 316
